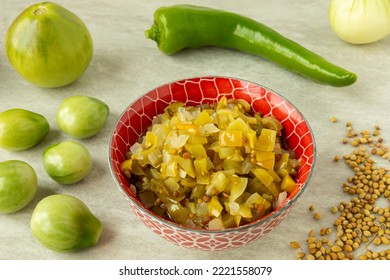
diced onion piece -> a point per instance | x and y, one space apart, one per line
216 224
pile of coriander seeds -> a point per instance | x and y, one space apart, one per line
361 229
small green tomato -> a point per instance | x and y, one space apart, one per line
18 185
64 223
82 116
21 129
67 162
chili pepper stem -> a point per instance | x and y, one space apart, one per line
152 33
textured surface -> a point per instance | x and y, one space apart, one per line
125 66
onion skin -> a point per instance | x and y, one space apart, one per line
359 21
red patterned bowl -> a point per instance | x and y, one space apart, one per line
138 117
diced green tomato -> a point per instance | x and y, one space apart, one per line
265 159
272 123
238 125
263 176
237 220
173 107
188 183
197 139
228 220
217 184
147 199
274 175
251 136
262 209
171 185
266 140
198 192
230 138
158 188
201 172
187 165
287 183
226 152
222 120
188 128
196 150
215 208
191 206
274 189
175 190
203 118
268 197
282 163
126 165
136 168
254 198
282 172
158 210
233 165
149 143
238 186
255 185
245 211
222 103
178 213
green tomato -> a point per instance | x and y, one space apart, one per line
49 45
82 116
67 162
18 185
22 129
64 223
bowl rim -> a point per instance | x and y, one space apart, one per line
285 205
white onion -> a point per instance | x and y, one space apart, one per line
360 21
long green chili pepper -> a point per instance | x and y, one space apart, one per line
186 26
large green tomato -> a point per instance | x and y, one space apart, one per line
48 45
64 223
82 116
67 162
18 185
